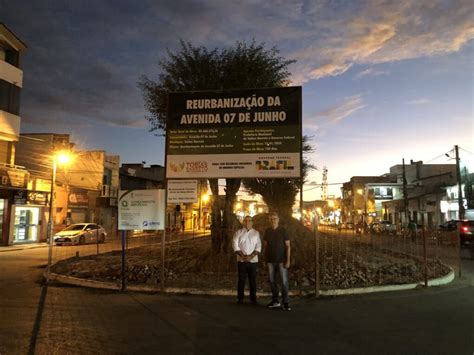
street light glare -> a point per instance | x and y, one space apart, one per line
63 157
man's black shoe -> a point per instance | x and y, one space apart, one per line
286 307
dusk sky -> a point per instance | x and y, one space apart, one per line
382 80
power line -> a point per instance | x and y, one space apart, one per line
439 156
467 151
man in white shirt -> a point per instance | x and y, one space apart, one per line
247 245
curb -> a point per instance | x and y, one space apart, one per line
15 248
361 290
70 280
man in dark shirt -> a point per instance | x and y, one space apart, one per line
277 254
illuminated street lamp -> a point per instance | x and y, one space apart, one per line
363 192
204 198
62 158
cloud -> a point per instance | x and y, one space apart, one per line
83 61
370 72
421 101
342 110
377 32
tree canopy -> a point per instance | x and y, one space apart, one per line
242 66
279 194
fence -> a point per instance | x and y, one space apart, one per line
345 259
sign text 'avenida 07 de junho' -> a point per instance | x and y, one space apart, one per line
235 133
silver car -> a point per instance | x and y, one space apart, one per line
80 233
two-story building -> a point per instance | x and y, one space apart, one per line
84 191
427 186
15 224
361 197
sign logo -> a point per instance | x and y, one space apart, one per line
196 166
177 168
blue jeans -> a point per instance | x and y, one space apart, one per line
272 269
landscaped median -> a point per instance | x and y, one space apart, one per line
191 267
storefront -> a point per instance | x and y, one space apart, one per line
28 214
3 204
13 186
25 224
78 207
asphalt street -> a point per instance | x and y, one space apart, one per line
56 319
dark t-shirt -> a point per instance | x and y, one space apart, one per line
275 239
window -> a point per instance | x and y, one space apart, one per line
10 56
107 178
377 191
9 97
389 191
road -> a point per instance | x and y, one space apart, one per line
54 319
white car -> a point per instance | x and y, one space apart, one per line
80 233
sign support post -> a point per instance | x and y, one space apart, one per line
124 276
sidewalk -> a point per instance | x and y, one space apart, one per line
175 236
25 246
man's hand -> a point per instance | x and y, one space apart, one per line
287 265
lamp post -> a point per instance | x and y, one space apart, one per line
63 158
203 199
361 192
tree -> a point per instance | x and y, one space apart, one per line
242 66
279 194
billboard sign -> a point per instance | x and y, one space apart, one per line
182 191
141 209
251 133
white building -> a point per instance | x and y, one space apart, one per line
13 179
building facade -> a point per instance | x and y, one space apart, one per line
84 191
15 224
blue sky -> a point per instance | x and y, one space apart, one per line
382 80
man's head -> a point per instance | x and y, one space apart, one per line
273 219
248 222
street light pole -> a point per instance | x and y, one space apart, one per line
63 158
459 178
50 223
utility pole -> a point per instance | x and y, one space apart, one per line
458 173
405 192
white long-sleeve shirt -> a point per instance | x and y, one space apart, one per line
247 241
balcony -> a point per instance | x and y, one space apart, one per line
11 74
9 126
13 176
109 191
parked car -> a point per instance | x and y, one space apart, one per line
346 225
466 231
449 226
465 227
80 233
385 227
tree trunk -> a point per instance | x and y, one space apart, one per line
230 223
223 219
216 219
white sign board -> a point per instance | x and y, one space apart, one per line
182 191
141 209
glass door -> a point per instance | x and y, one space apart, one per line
2 209
26 224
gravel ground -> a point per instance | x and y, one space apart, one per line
191 264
